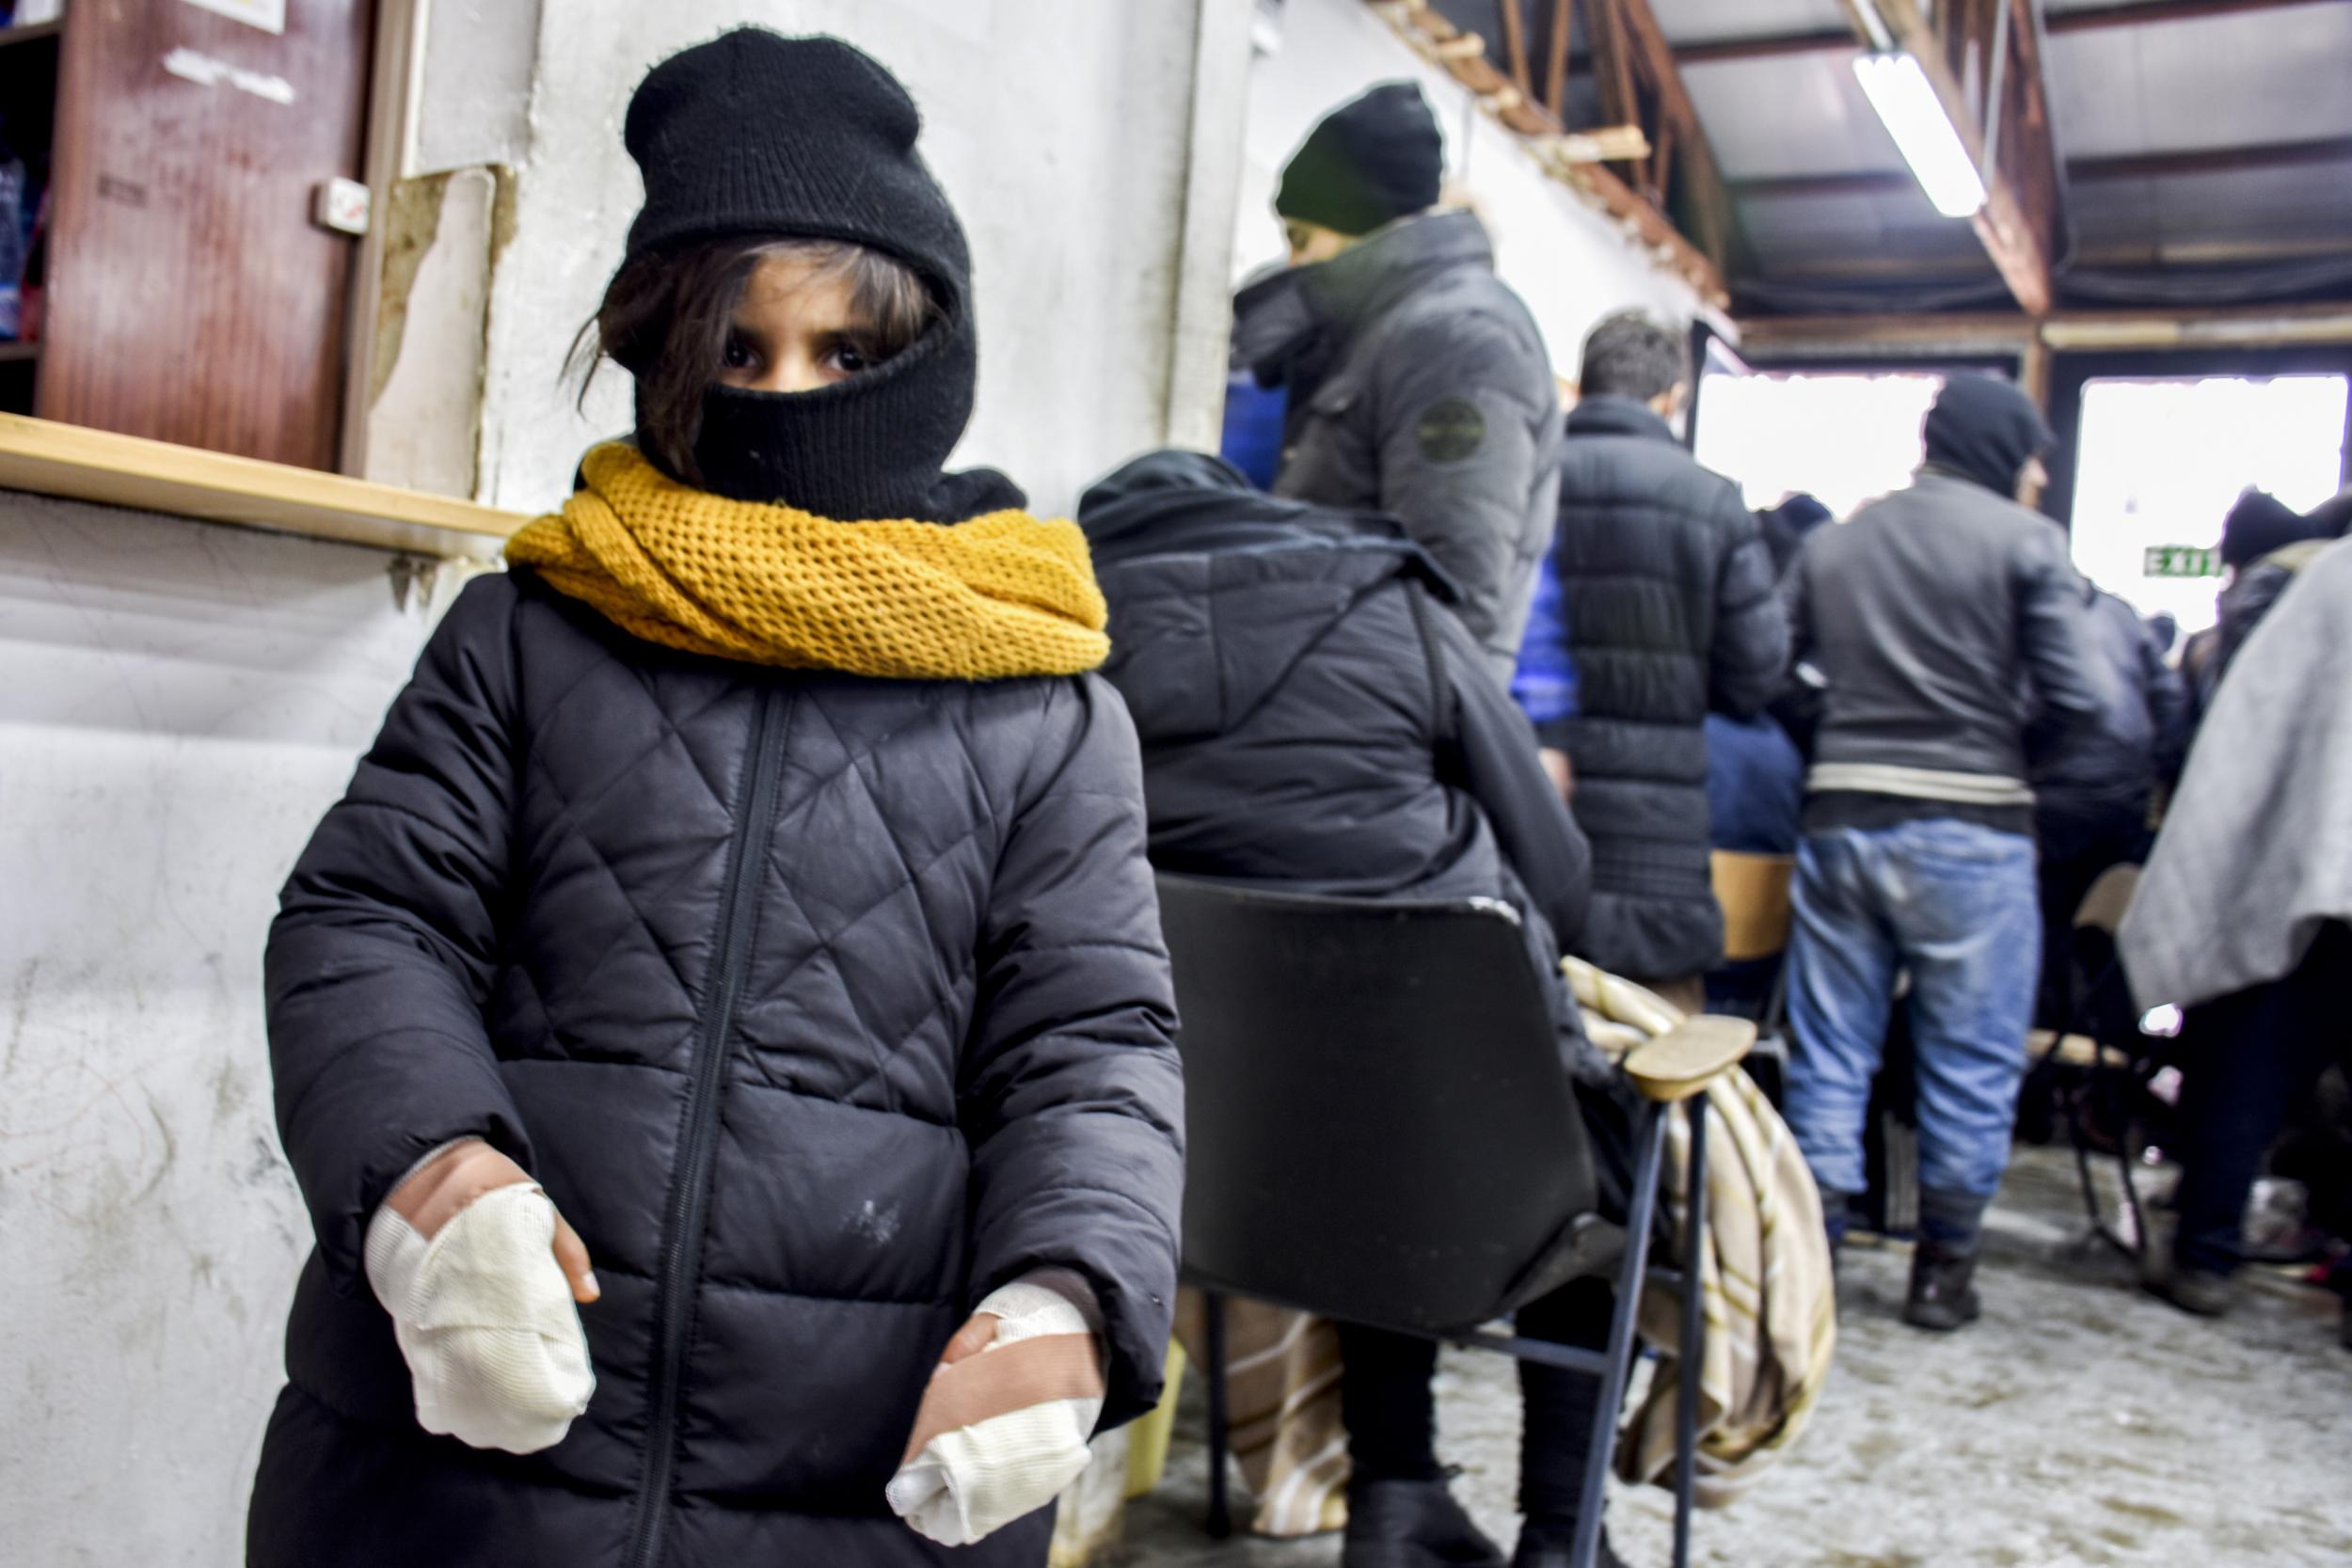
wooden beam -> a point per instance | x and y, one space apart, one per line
1613 62
2159 252
2018 239
1515 46
2211 160
1427 32
1861 335
1771 46
1556 67
1710 203
2136 14
1872 181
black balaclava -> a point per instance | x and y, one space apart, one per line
756 134
1986 430
2259 522
1369 163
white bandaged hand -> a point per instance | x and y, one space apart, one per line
1004 1432
484 1317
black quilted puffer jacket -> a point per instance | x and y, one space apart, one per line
820 1005
1668 591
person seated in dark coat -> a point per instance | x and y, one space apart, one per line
1316 717
2093 789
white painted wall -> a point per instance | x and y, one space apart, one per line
178 703
1568 260
1060 129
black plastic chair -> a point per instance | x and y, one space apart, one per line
1379 1132
2111 1105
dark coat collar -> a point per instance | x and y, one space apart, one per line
1608 415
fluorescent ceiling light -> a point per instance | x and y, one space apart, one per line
1897 88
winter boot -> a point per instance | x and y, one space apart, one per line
1549 1546
1411 1523
2200 1292
1943 1288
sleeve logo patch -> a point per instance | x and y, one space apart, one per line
1451 429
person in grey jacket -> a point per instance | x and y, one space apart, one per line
1418 383
1667 589
1933 617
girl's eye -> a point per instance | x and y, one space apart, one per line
851 359
739 354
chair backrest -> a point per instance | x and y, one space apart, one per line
1754 892
2099 994
1380 1127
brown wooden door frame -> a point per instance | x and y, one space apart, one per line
393 83
190 297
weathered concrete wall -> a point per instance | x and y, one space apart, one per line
178 703
1569 261
1061 129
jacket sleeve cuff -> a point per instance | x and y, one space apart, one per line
1072 1286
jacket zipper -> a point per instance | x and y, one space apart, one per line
690 1200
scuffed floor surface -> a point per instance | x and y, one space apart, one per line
2081 1423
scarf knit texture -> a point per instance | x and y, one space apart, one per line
1003 594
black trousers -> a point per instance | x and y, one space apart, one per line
1386 1400
2246 1057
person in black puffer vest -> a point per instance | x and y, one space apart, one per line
1315 719
741 929
1668 593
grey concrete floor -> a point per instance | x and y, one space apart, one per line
2080 1423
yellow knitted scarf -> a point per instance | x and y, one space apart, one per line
1002 595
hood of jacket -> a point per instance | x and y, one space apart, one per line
1985 430
1216 590
1288 326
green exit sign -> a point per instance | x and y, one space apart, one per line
2182 560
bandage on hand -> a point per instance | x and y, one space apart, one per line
436 1192
1003 1427
480 1273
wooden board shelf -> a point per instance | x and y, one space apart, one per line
32 32
52 459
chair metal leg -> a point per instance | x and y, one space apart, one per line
1694 1332
1631 1269
1220 1510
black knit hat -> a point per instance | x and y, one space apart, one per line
1370 162
1984 428
756 134
2258 523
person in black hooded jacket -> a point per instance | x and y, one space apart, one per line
1940 619
1313 716
741 929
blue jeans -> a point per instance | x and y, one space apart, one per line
1954 905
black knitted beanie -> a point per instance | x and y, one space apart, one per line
2258 523
1370 162
1985 429
757 135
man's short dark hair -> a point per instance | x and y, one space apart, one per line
1629 356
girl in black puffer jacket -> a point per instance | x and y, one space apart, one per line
741 929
